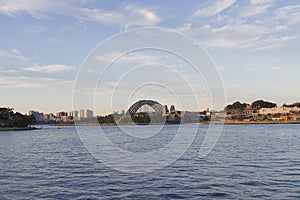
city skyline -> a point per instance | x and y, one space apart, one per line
166 108
253 44
62 116
149 111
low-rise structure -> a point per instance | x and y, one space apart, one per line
278 110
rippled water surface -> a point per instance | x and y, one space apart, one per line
248 162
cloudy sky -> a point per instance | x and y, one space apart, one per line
254 44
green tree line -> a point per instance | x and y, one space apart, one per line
10 119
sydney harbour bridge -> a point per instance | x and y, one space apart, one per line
159 113
156 106
135 112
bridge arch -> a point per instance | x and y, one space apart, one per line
137 105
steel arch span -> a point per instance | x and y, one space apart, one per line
137 105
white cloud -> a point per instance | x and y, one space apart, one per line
126 16
185 27
254 2
13 53
289 13
131 15
49 68
33 82
3 70
36 8
234 31
142 16
272 42
213 9
246 36
98 15
257 7
134 57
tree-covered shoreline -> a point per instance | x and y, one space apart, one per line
10 119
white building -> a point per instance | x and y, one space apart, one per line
278 110
81 114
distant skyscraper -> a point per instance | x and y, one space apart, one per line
39 117
89 114
81 114
74 114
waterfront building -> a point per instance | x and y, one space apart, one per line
248 110
74 114
66 119
61 114
278 110
39 117
81 114
52 117
88 114
46 117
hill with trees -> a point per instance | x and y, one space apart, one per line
296 104
9 119
238 107
256 105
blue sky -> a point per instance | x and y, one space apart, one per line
254 44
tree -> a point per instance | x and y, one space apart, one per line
262 104
10 119
6 115
236 107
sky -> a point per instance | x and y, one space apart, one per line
44 44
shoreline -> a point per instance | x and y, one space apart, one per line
260 122
19 128
200 123
130 124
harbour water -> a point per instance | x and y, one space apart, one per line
248 162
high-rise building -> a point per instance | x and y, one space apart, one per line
81 114
39 117
89 114
74 114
